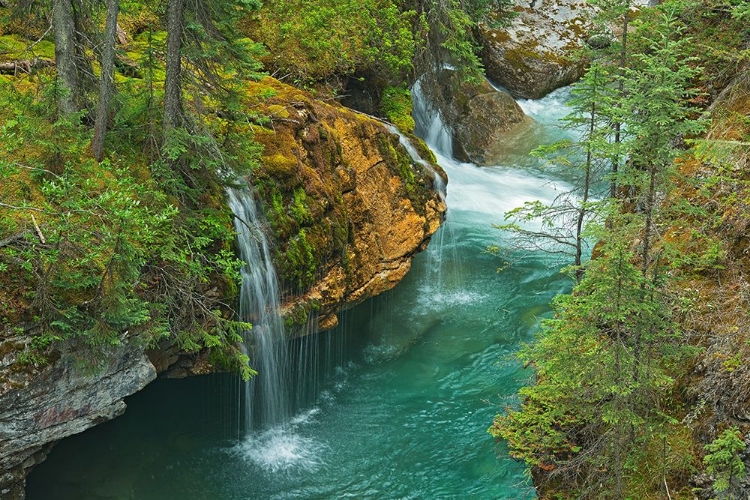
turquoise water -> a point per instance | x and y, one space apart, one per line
404 390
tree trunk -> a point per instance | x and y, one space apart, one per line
106 80
172 83
621 95
67 80
583 209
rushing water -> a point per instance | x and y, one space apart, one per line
404 389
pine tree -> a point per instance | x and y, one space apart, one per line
564 222
602 361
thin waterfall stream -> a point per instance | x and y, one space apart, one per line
393 403
259 305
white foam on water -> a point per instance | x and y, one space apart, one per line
281 449
306 417
440 299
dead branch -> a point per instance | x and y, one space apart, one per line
38 230
12 238
122 36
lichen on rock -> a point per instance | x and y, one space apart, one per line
538 52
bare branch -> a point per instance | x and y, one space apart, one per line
38 230
13 238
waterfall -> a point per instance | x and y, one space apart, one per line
395 400
267 394
429 123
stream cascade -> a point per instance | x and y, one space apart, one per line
393 403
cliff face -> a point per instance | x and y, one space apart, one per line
349 209
64 398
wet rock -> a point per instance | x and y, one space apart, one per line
481 117
483 125
367 207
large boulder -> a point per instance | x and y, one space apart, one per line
485 118
348 205
537 53
480 117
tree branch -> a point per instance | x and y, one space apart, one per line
11 239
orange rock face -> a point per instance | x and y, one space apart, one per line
349 207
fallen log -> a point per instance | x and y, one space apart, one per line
24 66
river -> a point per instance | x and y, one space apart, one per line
406 386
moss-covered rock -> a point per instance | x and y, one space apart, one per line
347 204
538 53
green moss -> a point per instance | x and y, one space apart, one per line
396 106
278 111
299 210
300 263
280 166
14 47
398 157
424 152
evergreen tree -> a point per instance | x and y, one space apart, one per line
565 220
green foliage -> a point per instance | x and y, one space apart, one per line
741 11
591 381
495 13
300 263
299 210
562 226
453 25
601 412
338 37
723 459
139 245
101 225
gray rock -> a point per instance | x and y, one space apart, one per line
480 117
486 121
65 398
537 53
